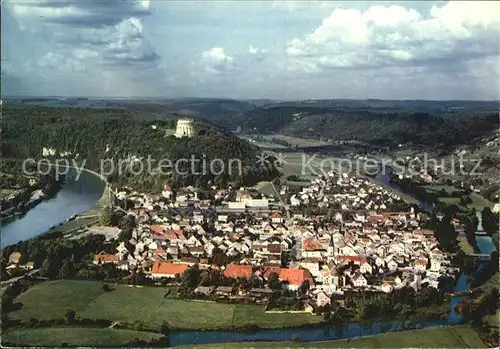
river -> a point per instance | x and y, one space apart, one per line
74 197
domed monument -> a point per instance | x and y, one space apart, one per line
184 128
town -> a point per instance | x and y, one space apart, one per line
338 234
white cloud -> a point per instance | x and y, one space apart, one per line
394 35
216 60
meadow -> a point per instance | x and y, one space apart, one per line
84 337
145 304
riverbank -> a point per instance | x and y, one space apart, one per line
20 201
84 196
440 337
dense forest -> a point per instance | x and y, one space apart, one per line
119 134
387 128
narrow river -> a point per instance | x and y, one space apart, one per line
76 196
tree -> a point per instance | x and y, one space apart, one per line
490 221
106 288
67 270
50 267
274 281
304 287
69 316
191 277
219 258
165 328
106 216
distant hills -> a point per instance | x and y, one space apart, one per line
381 122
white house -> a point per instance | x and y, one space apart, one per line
366 268
277 218
386 287
358 280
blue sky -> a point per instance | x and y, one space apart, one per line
252 49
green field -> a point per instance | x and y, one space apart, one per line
146 304
296 141
437 337
464 245
254 315
478 202
75 336
74 225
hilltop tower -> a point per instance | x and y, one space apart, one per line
184 128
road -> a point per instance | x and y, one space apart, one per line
283 204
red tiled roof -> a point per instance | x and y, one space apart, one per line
106 258
174 234
269 270
236 270
168 268
360 259
423 232
157 229
311 244
276 215
295 276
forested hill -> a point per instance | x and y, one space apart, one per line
381 127
96 134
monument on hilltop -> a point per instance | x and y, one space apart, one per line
184 128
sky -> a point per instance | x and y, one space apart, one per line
252 49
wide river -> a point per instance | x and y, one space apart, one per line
75 196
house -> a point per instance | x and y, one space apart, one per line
277 218
421 264
205 290
166 269
262 293
167 191
312 248
392 265
308 307
322 299
238 271
14 257
359 260
292 278
358 280
386 287
366 268
103 258
224 291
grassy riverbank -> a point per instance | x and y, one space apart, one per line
437 337
85 337
146 304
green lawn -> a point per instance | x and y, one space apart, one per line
479 202
255 315
72 226
75 336
146 304
50 300
464 245
438 187
437 337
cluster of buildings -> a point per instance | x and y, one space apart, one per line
357 245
